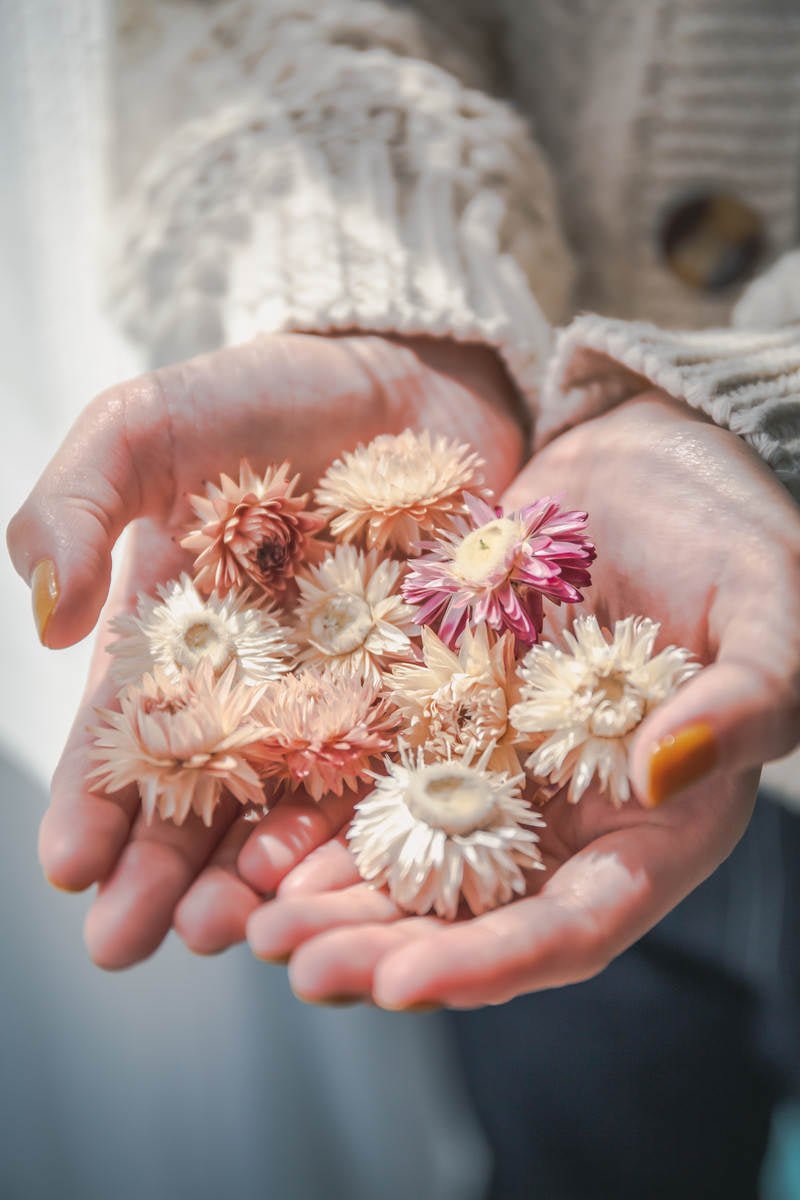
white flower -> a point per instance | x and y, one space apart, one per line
397 489
182 742
182 628
454 699
590 699
350 619
434 832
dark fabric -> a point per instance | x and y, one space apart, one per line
659 1077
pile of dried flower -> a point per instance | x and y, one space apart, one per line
387 631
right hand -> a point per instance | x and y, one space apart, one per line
133 456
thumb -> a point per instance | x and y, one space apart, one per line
60 541
732 716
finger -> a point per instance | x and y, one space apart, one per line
60 541
738 713
326 869
289 832
342 963
84 830
276 929
134 908
595 906
213 913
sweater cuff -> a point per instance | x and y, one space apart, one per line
748 382
353 251
379 194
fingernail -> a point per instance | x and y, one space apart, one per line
63 887
332 1001
680 760
44 595
421 1006
274 960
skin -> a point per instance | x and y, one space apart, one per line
694 531
715 556
132 457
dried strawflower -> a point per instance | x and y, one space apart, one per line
497 568
452 700
398 488
182 629
254 532
182 741
434 832
350 618
589 700
321 730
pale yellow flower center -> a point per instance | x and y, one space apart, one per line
342 624
205 638
617 706
486 549
450 797
467 708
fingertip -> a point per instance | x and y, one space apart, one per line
82 582
266 934
67 568
263 861
104 950
213 915
77 851
397 985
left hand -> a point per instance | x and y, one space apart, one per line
693 530
130 459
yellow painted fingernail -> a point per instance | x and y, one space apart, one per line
332 1001
421 1006
44 595
680 760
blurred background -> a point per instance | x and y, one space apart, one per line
183 1077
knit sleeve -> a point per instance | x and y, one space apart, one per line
343 180
745 378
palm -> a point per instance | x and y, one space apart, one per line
137 452
679 541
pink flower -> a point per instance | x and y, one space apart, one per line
497 569
253 532
321 731
182 741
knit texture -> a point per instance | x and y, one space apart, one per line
348 165
349 187
748 382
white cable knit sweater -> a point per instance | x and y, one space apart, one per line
290 165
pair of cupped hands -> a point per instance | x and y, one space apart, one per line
691 529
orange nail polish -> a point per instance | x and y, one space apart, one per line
680 760
44 595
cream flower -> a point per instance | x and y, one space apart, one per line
254 532
589 700
183 628
454 699
434 832
349 618
182 742
321 730
397 489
